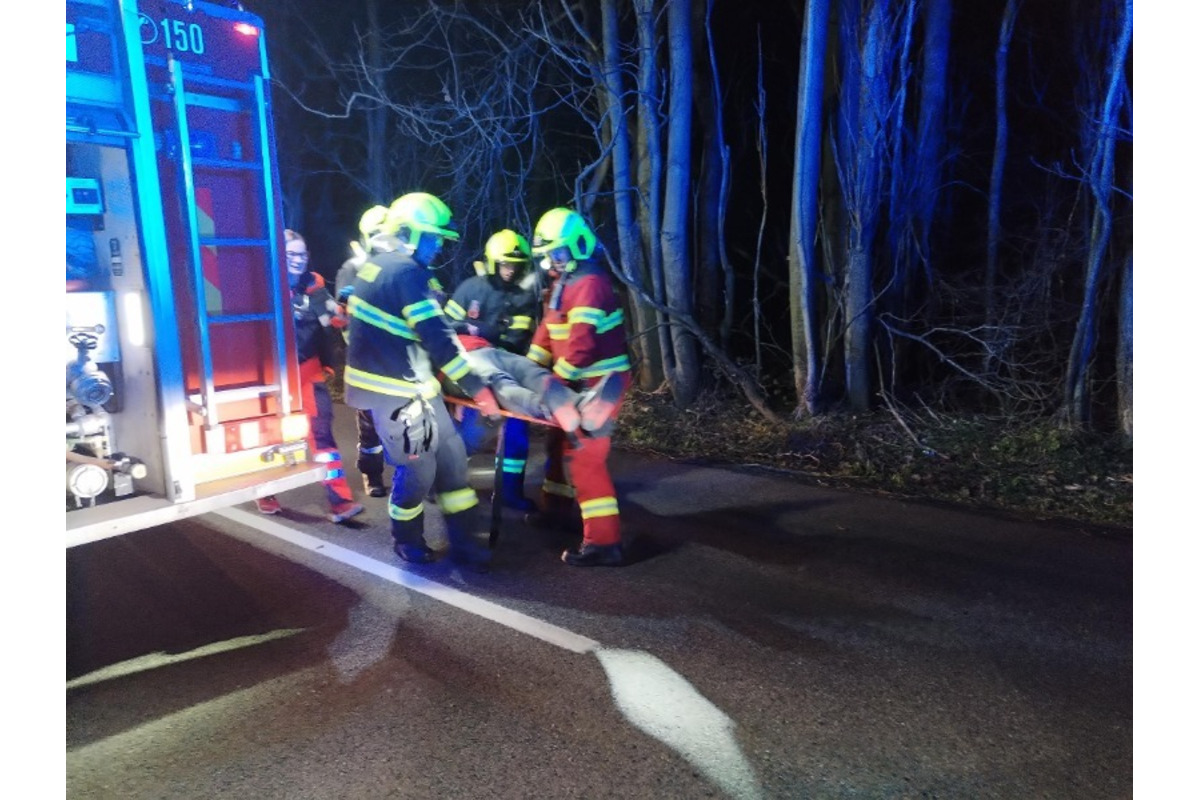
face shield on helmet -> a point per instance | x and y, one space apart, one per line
564 238
507 247
422 221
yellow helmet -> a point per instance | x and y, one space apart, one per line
372 220
564 228
508 246
418 213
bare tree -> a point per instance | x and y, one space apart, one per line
1099 178
714 275
802 251
624 172
376 114
869 48
1125 352
999 157
651 163
760 144
677 192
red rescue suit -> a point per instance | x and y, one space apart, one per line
581 339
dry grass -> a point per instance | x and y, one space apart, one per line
1033 471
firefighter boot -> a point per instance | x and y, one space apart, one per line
468 550
595 555
408 540
370 464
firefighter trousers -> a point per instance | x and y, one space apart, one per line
421 442
579 469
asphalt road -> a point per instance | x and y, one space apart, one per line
771 640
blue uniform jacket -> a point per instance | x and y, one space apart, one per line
399 338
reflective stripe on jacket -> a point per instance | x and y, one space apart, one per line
503 313
582 337
399 338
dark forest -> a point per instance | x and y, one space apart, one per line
822 207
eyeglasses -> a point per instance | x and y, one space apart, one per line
300 255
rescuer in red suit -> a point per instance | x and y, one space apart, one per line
581 339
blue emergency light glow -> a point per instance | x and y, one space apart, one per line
245 29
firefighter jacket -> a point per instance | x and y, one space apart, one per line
582 336
313 311
399 337
502 313
344 287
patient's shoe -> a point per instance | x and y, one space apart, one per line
599 403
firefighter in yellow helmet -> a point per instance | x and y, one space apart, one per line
581 338
370 462
497 308
400 342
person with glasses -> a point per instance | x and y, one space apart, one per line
400 343
314 313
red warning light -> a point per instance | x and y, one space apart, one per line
245 28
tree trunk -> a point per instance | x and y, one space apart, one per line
1125 352
931 126
707 228
377 148
867 159
760 141
721 162
650 173
629 237
999 156
802 243
685 371
1099 181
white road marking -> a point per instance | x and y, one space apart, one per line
539 629
155 660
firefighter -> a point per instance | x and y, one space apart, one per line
314 312
399 341
370 449
498 307
581 338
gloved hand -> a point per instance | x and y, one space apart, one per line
487 403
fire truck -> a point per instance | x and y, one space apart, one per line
182 383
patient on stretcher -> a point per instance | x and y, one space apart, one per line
525 388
